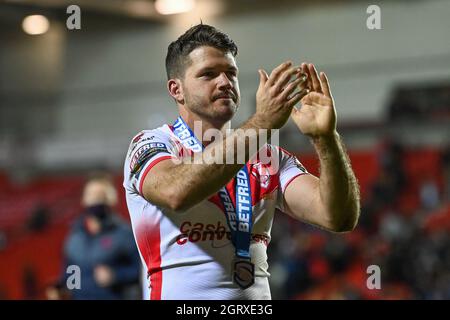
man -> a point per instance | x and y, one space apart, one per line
196 232
102 246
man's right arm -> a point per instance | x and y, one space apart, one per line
181 186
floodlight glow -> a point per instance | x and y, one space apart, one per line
35 24
174 6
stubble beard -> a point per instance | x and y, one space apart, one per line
210 110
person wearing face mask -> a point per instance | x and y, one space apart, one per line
102 246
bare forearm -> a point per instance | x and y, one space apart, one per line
339 190
189 184
198 178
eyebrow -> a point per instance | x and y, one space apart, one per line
232 68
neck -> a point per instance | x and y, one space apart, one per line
203 125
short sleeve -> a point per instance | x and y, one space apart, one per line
290 168
146 149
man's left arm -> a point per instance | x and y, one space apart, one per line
331 201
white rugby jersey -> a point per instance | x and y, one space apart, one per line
189 254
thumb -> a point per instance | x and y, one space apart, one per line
262 77
296 113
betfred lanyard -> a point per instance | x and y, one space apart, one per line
239 219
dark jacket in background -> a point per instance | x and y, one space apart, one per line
114 247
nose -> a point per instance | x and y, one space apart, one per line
224 82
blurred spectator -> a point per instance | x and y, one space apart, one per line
391 161
388 186
30 286
429 195
420 103
402 107
39 218
395 228
103 247
446 169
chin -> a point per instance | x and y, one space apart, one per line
226 110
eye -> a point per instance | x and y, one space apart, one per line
232 74
208 74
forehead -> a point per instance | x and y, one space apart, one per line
210 57
94 185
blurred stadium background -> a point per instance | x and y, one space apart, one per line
70 101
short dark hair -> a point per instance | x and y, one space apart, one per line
99 176
196 36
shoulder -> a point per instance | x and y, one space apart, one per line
147 144
159 137
77 226
280 151
274 153
75 236
282 159
120 224
275 149
122 230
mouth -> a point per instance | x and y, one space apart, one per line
225 97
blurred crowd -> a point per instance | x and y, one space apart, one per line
420 103
82 243
403 230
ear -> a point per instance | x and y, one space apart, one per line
176 90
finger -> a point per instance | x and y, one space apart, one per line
277 71
305 70
297 97
303 76
262 77
325 84
304 67
314 78
304 83
295 112
290 88
285 77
